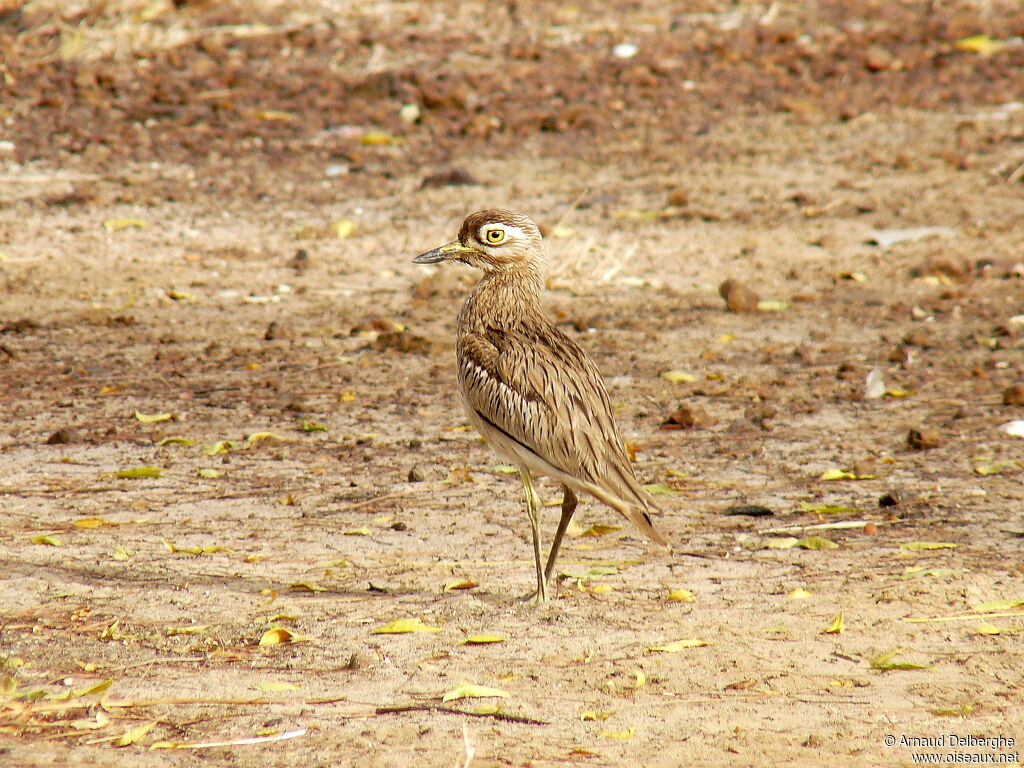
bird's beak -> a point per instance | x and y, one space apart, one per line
452 250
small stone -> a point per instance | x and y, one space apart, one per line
452 177
917 338
686 417
677 198
402 341
877 59
64 436
888 499
870 529
738 298
417 475
274 331
1014 395
922 439
300 262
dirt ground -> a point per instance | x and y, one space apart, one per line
207 216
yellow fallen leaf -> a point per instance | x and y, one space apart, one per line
837 627
342 228
923 546
980 44
403 626
92 689
453 584
626 734
597 530
998 605
769 305
884 662
837 474
481 640
781 542
506 469
466 690
677 645
138 473
275 687
357 532
679 377
191 629
658 488
378 139
221 446
799 594
131 737
306 586
984 628
175 440
94 522
680 596
152 418
121 554
179 295
275 115
113 225
280 636
209 474
49 541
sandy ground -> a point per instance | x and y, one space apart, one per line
171 188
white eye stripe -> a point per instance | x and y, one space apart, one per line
509 230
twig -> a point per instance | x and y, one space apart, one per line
452 711
233 742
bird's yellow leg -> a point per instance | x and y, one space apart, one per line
532 509
569 502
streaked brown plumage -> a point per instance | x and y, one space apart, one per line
532 392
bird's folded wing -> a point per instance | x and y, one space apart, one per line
542 390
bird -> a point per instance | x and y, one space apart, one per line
532 392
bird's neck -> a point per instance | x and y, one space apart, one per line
504 298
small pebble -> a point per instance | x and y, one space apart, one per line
922 439
1014 395
738 298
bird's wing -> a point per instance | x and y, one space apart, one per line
542 390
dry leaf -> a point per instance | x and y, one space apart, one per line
453 584
137 473
481 640
221 446
998 605
923 546
680 596
275 687
883 662
626 734
175 439
113 225
47 540
403 626
837 627
677 645
152 418
799 594
466 690
679 377
280 636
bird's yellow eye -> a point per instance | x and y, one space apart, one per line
494 236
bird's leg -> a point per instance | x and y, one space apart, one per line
532 507
569 502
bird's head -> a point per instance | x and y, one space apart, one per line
495 240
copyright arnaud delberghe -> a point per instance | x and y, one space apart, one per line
949 749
